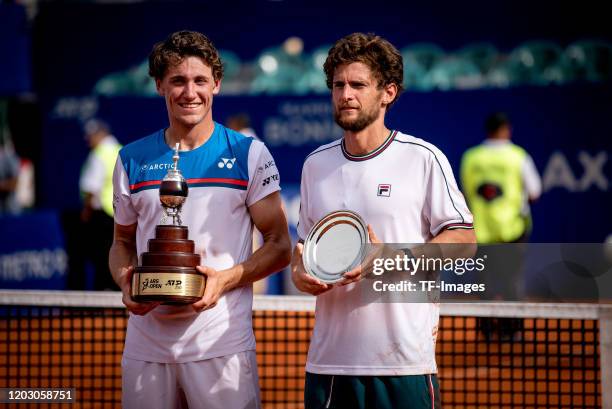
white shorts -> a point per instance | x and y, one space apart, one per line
219 383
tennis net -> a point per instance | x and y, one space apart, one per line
553 356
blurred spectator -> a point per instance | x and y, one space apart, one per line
9 171
97 191
9 166
499 181
25 189
241 123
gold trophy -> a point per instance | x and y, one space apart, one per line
167 272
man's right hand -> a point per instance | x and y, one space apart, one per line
302 280
138 308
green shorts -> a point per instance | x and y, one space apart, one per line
371 392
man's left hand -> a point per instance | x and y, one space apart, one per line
215 287
363 269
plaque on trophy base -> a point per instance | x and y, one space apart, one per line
167 271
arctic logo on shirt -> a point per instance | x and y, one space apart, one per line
384 190
156 166
226 163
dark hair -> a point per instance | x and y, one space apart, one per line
495 121
374 51
177 46
94 125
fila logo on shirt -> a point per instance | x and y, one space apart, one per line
384 190
226 163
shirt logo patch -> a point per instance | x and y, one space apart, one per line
267 180
115 201
226 163
156 166
384 190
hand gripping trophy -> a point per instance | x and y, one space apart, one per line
167 272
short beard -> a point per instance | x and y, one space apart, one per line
363 120
355 125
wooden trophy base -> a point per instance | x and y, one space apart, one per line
167 272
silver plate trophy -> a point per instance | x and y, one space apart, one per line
335 245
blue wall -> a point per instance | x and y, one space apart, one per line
554 124
15 70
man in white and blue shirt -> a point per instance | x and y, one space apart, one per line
204 353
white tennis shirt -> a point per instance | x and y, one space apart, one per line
406 190
226 175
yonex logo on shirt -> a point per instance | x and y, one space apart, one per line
226 163
269 179
384 190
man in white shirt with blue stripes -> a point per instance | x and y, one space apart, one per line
201 354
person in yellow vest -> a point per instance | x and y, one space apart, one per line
96 185
499 181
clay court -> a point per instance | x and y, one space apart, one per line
554 364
